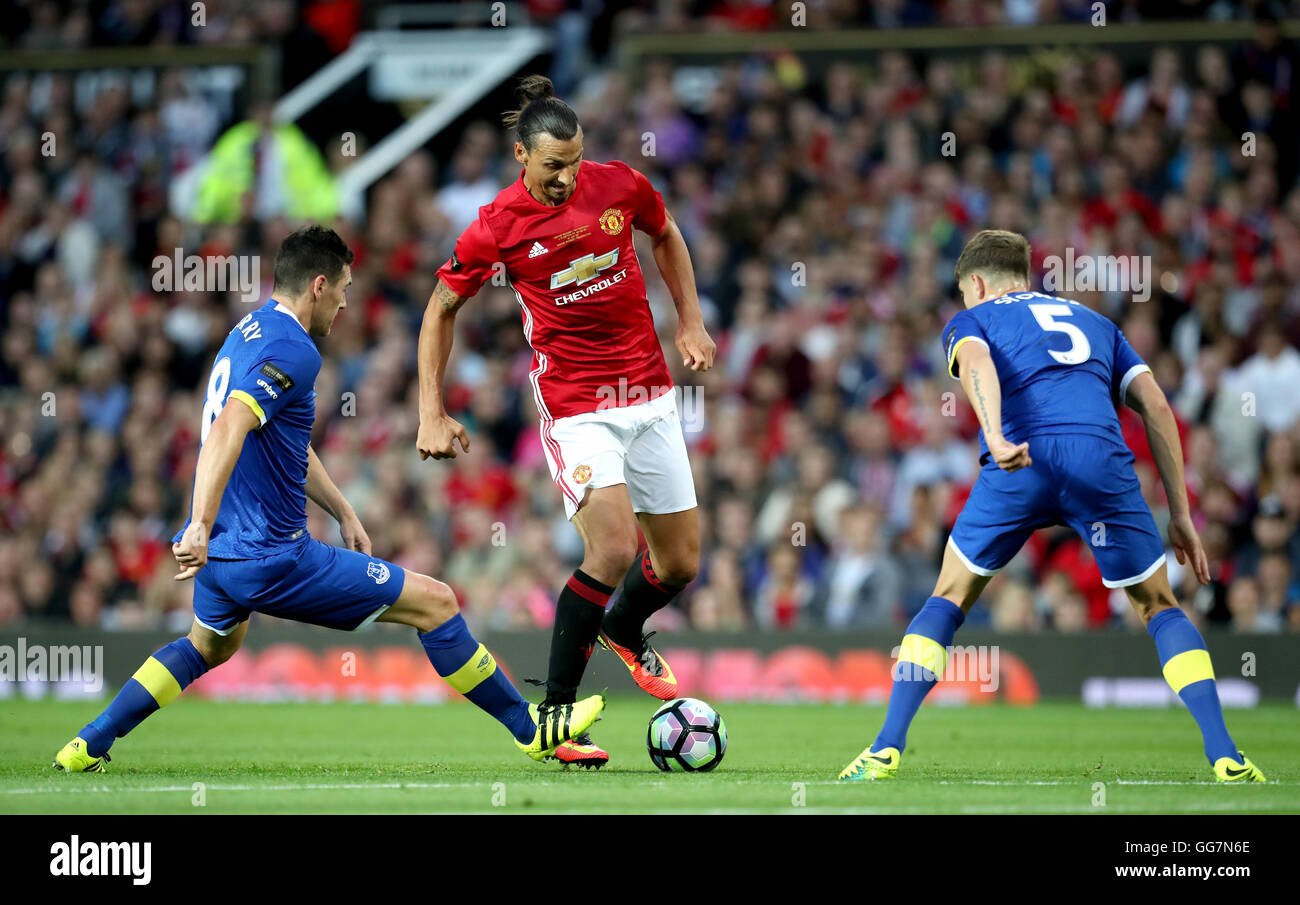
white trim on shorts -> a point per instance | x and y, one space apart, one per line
967 563
1136 579
371 618
218 631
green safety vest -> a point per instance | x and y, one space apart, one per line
310 190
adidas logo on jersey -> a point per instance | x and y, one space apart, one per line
537 249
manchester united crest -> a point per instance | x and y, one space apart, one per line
582 474
612 221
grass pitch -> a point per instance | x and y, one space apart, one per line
366 758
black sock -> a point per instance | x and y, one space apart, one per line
578 614
643 594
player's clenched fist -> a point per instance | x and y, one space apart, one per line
191 551
696 346
1009 456
438 435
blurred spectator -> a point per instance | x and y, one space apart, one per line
1012 605
1277 592
719 604
1271 375
471 188
861 588
785 593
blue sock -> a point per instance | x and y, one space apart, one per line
921 660
157 683
469 668
1185 662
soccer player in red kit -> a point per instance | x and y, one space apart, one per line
609 421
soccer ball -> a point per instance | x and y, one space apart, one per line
686 735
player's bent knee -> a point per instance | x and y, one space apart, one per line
1151 597
443 604
425 604
216 649
614 556
678 572
958 583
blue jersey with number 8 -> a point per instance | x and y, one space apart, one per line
1062 367
269 363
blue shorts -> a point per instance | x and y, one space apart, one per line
1077 480
311 582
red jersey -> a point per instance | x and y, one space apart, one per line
575 274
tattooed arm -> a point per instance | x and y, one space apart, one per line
438 430
979 378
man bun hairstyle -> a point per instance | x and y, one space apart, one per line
307 252
540 111
995 252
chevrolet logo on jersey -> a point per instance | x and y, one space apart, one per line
582 269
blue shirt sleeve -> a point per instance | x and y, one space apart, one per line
282 372
1127 366
961 329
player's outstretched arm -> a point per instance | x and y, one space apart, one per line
674 259
438 430
322 490
979 378
1145 397
217 460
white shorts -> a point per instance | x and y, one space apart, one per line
638 445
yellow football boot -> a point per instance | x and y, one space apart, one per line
561 723
73 758
873 765
1228 770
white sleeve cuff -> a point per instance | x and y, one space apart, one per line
1128 378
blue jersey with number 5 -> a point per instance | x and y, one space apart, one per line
1062 366
269 363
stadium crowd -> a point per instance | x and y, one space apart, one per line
831 451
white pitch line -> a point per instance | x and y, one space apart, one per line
1118 782
1002 782
368 786
327 787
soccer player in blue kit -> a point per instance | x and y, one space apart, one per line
1044 375
246 544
